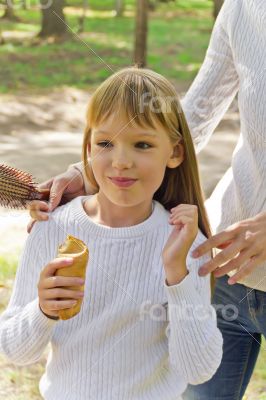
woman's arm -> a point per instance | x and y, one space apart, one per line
195 342
87 187
63 188
24 330
216 84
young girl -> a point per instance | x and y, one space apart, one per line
146 327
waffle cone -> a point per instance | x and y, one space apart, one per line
76 249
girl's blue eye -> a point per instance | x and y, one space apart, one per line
145 144
104 144
139 144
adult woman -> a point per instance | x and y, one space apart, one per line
235 63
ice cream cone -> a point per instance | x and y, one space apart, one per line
76 249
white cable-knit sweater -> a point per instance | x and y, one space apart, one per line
123 344
235 63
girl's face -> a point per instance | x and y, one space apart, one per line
119 149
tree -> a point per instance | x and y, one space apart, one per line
82 18
153 4
141 31
9 11
53 19
217 6
119 7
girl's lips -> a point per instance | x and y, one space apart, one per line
123 182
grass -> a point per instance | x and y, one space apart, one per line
20 383
178 39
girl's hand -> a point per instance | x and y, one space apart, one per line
53 291
243 248
185 220
63 188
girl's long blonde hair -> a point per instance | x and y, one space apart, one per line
145 97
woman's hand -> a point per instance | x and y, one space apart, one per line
185 220
63 188
244 248
53 291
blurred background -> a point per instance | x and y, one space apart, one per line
53 54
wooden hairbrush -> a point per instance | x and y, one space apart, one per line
17 188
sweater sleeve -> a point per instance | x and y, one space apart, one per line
24 329
216 84
194 341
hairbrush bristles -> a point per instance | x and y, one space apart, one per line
17 188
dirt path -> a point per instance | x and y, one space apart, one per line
43 135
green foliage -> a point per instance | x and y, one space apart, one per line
178 38
8 266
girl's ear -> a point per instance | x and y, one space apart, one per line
177 156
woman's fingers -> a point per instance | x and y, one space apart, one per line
57 190
47 184
253 263
234 263
246 238
214 242
220 259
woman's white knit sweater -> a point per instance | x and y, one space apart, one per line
123 344
235 63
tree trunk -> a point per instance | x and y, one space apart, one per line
119 7
24 4
82 18
9 11
141 33
53 19
217 7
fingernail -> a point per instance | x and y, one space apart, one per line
195 253
231 281
81 281
69 260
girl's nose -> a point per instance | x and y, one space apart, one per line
121 160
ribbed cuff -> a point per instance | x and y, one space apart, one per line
186 304
49 316
181 291
37 318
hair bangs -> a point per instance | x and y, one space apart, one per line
134 96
